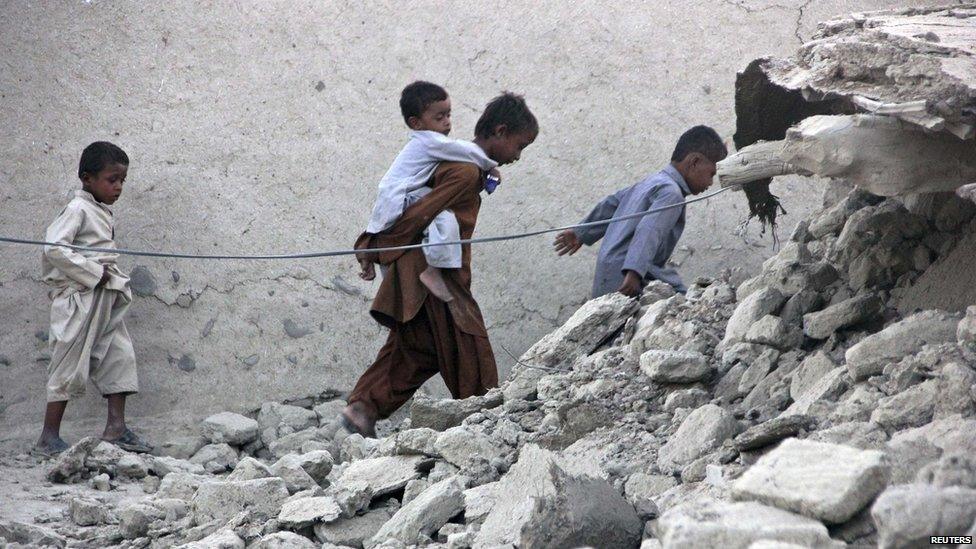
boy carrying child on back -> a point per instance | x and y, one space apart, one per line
426 109
90 296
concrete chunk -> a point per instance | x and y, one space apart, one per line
221 500
230 428
703 430
674 366
424 515
828 482
384 474
873 353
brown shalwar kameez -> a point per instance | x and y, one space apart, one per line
427 336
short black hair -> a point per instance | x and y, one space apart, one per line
98 155
417 96
700 139
508 109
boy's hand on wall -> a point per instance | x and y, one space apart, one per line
567 243
631 286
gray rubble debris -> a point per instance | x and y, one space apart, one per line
674 366
748 311
353 531
230 428
851 312
442 414
898 340
711 523
419 519
221 500
774 430
249 468
181 447
703 430
301 512
538 492
284 540
913 407
906 515
827 482
382 475
216 458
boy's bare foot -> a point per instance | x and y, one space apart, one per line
354 419
367 270
434 280
49 446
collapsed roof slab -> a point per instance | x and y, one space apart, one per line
884 155
914 66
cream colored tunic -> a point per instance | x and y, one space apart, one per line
88 337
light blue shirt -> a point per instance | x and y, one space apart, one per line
642 244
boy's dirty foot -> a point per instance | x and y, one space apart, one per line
434 280
355 420
129 442
49 445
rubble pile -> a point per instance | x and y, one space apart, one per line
800 407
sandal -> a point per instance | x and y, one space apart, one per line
350 426
131 442
49 450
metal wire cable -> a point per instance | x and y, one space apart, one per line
334 253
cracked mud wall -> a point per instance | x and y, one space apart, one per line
264 127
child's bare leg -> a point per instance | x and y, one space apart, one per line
50 439
115 422
433 278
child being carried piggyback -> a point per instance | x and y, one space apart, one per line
426 109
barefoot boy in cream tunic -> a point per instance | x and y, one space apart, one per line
90 295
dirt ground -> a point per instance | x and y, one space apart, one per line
264 126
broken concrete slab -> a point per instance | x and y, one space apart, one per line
230 428
912 407
704 429
850 312
464 447
828 482
674 366
284 540
773 332
383 474
869 356
276 420
579 336
538 492
353 531
774 430
829 387
907 515
302 512
419 519
757 305
442 414
216 458
711 523
221 500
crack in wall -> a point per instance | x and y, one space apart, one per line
799 20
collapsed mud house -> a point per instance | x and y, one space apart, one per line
830 399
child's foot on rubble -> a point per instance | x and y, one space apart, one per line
48 446
130 442
434 280
355 420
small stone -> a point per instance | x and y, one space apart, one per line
757 305
221 500
102 482
181 447
216 458
443 414
303 512
809 372
907 515
674 366
382 475
703 430
419 519
772 331
87 513
413 489
134 520
293 330
463 447
913 407
249 468
150 484
251 360
851 312
352 531
230 428
353 497
284 540
772 431
289 468
686 398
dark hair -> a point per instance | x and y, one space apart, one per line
700 139
98 155
416 97
508 109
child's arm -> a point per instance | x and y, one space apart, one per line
75 266
568 242
444 149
